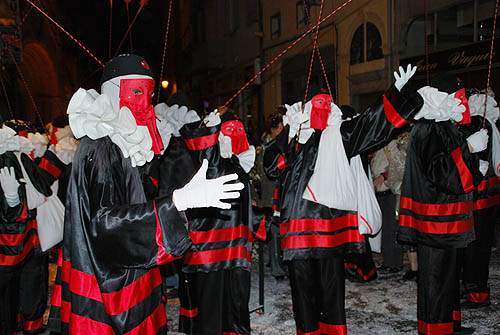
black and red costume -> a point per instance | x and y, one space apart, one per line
314 238
217 267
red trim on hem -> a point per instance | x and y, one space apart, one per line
24 214
82 325
16 259
421 208
392 115
328 329
319 225
229 333
55 299
430 227
162 257
50 168
189 313
152 323
488 183
218 235
202 142
465 174
457 316
436 328
478 297
300 332
218 255
321 241
487 202
33 325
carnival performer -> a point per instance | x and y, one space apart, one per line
315 236
114 239
436 207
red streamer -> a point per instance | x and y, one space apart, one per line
164 51
491 61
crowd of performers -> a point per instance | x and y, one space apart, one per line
125 188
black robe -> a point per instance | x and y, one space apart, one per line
113 241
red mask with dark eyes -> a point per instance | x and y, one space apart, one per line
320 111
460 94
137 95
235 130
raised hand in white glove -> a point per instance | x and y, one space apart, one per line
403 76
9 186
212 119
478 141
295 117
202 192
226 148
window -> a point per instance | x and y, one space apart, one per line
366 44
275 26
301 16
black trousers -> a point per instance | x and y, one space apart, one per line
476 257
215 303
438 302
392 251
9 298
318 295
33 292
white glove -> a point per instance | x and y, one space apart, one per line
404 77
202 192
295 117
478 141
9 186
212 119
226 148
483 167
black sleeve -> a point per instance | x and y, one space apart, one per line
379 123
277 155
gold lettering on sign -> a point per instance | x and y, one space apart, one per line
421 66
460 58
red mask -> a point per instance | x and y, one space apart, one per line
235 130
460 94
320 111
136 95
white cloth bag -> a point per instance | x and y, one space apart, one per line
369 213
50 219
332 183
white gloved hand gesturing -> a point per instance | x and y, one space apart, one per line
295 117
202 192
9 186
478 141
403 76
212 119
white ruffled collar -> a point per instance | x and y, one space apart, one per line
439 106
476 105
91 114
9 141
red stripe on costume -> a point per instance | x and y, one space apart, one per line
219 255
436 209
55 299
320 225
321 241
154 181
281 162
189 313
33 325
488 183
83 325
65 311
478 297
24 213
13 240
300 332
229 333
81 283
152 324
487 202
435 328
457 316
261 232
369 275
129 296
328 329
202 142
50 168
430 227
392 115
16 259
465 175
218 235
162 257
